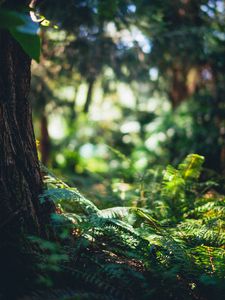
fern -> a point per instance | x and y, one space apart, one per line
190 168
173 249
69 200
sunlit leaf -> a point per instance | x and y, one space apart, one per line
45 23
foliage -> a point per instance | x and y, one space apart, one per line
133 86
23 29
130 252
166 57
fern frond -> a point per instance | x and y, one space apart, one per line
70 200
190 168
115 212
173 183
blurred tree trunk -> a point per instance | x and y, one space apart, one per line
178 91
45 144
20 179
72 106
219 111
89 95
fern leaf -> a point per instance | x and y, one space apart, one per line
190 168
115 212
70 200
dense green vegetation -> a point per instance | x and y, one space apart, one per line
123 196
170 246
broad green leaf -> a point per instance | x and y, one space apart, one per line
27 36
9 19
24 30
29 42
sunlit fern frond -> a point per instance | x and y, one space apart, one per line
70 200
190 168
175 180
173 183
197 233
210 259
119 212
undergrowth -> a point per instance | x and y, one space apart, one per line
172 248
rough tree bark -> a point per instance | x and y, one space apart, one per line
20 178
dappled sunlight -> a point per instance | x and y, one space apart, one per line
112 150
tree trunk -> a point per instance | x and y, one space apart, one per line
178 91
89 95
20 178
45 144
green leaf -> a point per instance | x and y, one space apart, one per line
10 19
191 167
30 43
24 30
27 36
151 221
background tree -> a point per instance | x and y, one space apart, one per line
186 36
